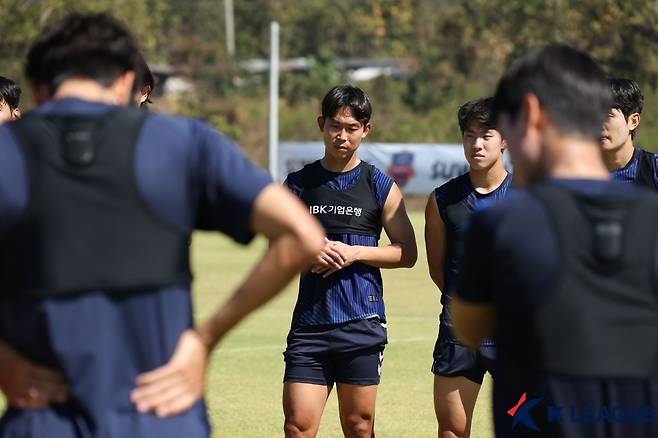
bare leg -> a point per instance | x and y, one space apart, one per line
454 401
356 404
303 404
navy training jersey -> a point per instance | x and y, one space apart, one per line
189 176
512 261
352 293
456 200
629 172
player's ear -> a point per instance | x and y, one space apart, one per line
366 130
633 121
321 123
16 113
532 112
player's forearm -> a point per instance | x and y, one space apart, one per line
281 262
395 255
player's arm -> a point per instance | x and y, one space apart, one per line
296 237
435 241
400 253
472 322
472 307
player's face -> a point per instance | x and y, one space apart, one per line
482 147
524 147
616 130
342 133
7 114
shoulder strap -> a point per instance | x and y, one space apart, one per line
646 170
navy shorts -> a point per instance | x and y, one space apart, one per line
453 359
350 353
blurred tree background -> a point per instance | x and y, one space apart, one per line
452 50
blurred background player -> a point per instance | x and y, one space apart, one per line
564 273
10 96
94 256
624 160
338 329
459 370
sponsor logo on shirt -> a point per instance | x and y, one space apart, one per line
340 210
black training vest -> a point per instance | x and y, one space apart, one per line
601 320
646 169
86 227
351 211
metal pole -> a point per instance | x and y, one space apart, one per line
230 28
274 101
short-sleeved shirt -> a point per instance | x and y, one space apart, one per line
190 176
628 173
332 300
511 261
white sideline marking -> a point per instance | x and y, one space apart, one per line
282 347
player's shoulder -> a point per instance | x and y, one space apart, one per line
451 191
299 179
379 177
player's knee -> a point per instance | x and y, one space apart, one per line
450 427
293 428
358 426
449 434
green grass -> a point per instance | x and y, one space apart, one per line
245 373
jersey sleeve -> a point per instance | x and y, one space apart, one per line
228 186
383 184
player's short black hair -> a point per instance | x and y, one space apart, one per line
91 46
350 97
570 86
627 97
10 92
476 110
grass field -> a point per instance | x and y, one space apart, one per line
244 380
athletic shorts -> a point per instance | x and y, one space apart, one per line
453 359
350 353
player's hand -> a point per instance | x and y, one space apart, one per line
176 386
329 259
348 255
27 385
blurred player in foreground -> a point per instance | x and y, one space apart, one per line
564 273
98 203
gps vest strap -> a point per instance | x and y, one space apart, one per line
86 226
646 170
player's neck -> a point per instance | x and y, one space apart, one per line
338 165
89 90
578 159
620 157
488 180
